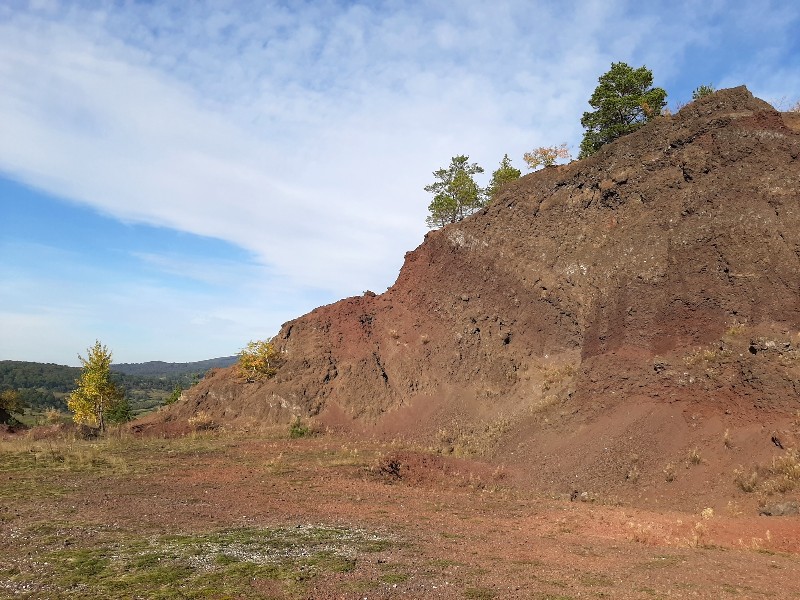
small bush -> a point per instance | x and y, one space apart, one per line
201 421
174 396
546 156
298 429
735 328
706 356
669 473
787 465
258 360
54 416
694 457
389 467
702 91
746 480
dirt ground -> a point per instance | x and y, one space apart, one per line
410 524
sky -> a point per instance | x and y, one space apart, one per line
178 178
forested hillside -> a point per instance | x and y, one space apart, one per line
146 385
157 368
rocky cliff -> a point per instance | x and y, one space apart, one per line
663 269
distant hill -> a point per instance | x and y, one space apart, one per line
146 385
157 368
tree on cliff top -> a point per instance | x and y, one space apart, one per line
505 172
455 193
623 102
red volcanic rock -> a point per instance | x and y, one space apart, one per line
588 298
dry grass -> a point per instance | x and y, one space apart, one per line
201 421
460 439
706 356
694 457
555 376
66 452
780 477
736 328
699 536
745 479
784 473
633 473
727 441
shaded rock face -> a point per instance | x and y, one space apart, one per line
648 269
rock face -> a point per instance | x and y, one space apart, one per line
666 267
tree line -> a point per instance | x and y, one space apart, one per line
623 101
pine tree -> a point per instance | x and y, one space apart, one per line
623 102
504 173
702 91
455 193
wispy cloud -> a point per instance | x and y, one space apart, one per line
304 132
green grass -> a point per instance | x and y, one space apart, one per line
299 429
394 578
228 563
479 594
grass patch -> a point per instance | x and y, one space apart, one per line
479 594
299 429
394 578
663 560
220 564
375 546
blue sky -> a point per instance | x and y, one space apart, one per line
177 178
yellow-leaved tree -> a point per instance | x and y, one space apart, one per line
546 156
258 360
96 394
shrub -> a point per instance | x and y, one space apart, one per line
258 360
787 466
746 480
201 421
546 156
298 429
174 396
703 91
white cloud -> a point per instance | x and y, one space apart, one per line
305 133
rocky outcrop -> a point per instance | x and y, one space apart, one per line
649 269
